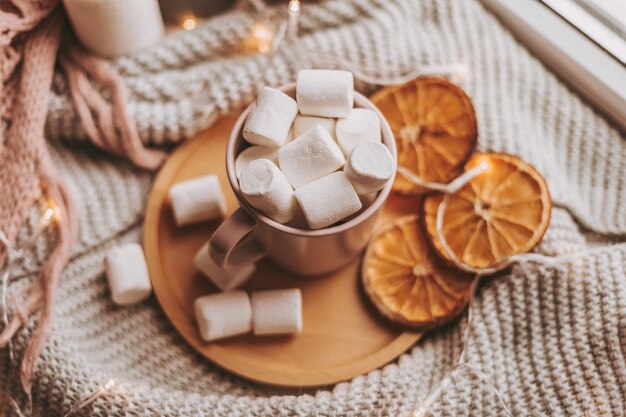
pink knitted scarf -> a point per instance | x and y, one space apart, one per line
31 33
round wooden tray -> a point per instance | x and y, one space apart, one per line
343 336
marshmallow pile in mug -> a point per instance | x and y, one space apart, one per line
315 157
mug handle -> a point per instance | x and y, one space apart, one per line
233 244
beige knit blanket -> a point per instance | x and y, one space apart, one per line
551 339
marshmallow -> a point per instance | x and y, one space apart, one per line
223 314
325 93
367 199
224 279
362 125
268 190
277 311
270 119
369 167
198 200
250 154
127 274
328 200
309 157
303 124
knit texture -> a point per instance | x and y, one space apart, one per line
31 33
552 339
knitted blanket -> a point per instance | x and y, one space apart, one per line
552 339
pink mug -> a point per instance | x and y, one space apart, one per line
248 235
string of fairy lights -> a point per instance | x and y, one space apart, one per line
264 39
16 258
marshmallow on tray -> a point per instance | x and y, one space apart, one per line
224 279
127 274
327 200
198 200
369 167
309 157
223 314
268 190
277 311
250 154
270 119
303 124
362 125
325 93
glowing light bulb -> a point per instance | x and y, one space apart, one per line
109 384
189 23
262 37
294 6
484 166
48 215
50 212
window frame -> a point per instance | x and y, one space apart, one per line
589 69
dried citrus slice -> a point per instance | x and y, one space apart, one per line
434 124
407 282
501 212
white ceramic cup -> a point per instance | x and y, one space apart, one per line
248 235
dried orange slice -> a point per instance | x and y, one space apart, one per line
407 282
502 212
434 124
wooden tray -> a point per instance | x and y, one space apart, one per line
343 336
